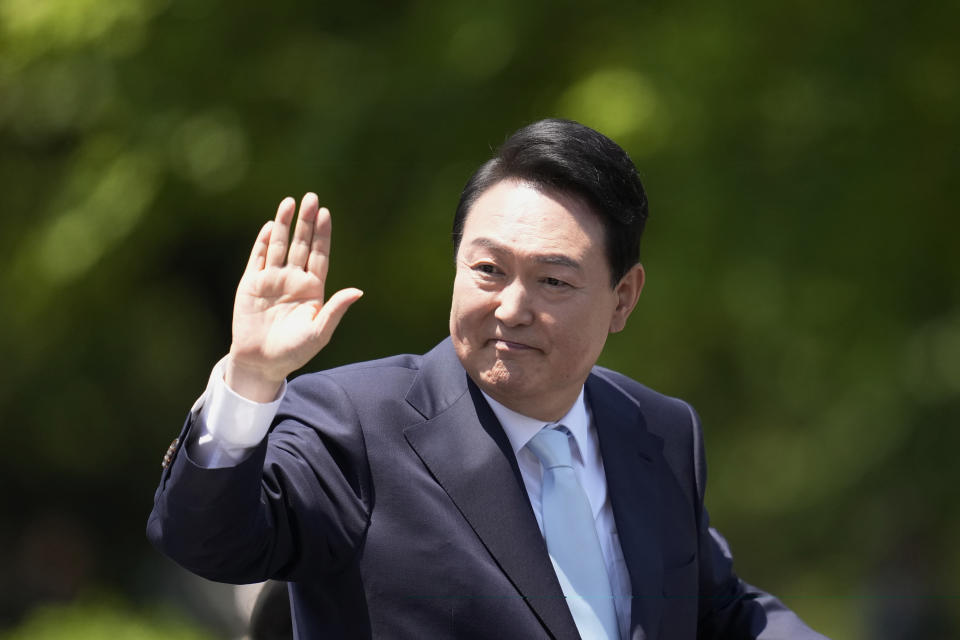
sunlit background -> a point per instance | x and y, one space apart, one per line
803 293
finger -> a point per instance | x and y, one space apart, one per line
259 251
332 312
319 259
303 232
280 233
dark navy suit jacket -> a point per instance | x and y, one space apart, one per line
388 495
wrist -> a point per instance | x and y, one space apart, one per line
250 382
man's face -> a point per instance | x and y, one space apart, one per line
532 302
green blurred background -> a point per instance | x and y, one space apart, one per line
803 291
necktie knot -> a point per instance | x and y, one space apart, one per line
551 445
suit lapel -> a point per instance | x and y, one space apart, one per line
467 452
630 454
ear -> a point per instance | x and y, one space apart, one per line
627 292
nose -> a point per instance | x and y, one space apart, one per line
514 305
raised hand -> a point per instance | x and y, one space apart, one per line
280 319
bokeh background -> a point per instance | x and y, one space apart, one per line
802 254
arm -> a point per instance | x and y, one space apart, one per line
296 506
232 523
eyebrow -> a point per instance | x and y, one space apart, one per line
557 259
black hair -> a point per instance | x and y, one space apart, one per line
569 158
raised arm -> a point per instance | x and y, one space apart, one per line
281 318
229 522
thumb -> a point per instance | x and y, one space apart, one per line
332 312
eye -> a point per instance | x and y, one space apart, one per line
555 283
486 268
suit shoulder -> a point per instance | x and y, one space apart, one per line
651 402
379 372
674 421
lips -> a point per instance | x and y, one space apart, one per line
502 344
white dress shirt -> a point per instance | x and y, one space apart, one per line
231 426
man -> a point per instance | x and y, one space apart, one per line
499 486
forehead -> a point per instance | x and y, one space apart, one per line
521 215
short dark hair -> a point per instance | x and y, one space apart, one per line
569 158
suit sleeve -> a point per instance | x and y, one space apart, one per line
728 607
298 505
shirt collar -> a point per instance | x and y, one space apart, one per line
520 428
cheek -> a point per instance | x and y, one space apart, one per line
470 302
457 300
466 315
584 338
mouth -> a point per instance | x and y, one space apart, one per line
501 344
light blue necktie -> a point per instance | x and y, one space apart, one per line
572 537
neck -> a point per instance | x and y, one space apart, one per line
543 408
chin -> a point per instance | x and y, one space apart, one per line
503 383
495 379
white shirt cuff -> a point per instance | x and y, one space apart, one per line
230 425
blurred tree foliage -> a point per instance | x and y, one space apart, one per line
99 618
803 272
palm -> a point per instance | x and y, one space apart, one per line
274 313
280 317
